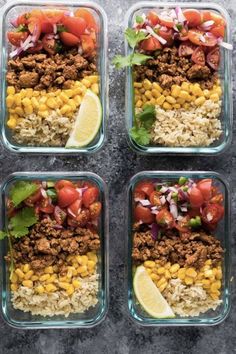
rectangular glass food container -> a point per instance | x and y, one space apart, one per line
12 9
225 74
223 234
94 315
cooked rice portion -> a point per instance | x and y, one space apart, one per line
58 303
37 131
188 301
197 126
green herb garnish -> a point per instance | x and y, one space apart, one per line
22 28
61 28
22 190
139 19
142 124
52 193
140 135
182 180
134 37
20 223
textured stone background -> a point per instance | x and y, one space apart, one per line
116 163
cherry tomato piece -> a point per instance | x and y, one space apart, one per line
36 48
186 49
205 187
63 183
155 198
218 31
83 218
88 17
69 39
67 195
195 197
211 16
59 215
146 187
49 44
32 199
34 26
200 38
75 208
183 35
90 196
212 213
23 19
193 17
88 44
95 210
150 44
198 56
166 21
183 224
153 18
218 199
213 58
53 16
139 195
165 219
74 25
167 35
193 212
143 214
15 38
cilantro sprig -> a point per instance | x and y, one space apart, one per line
142 124
22 190
133 38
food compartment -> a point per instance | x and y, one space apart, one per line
54 77
178 95
54 252
178 248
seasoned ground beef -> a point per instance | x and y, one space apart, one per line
42 71
168 68
47 245
189 249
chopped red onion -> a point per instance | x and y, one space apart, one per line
16 52
168 198
202 39
54 28
14 22
173 14
173 209
163 189
35 33
163 200
81 190
180 16
57 227
207 24
173 189
164 28
154 207
154 231
183 195
80 50
26 42
145 202
180 217
155 212
71 213
225 45
44 193
184 209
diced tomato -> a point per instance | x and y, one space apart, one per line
212 16
212 213
74 25
46 27
150 44
46 206
143 214
155 198
53 16
195 197
139 195
88 17
63 183
213 58
146 187
218 31
23 19
193 212
165 219
36 48
95 210
83 218
59 215
193 17
183 35
15 38
69 39
205 187
167 35
88 44
32 199
34 26
49 44
200 38
166 21
67 195
90 196
153 18
183 224
218 199
186 49
75 207
198 56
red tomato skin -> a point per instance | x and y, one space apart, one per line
34 198
153 18
150 44
198 56
139 195
34 26
195 197
182 225
145 187
95 210
167 22
143 214
155 198
186 49
218 31
23 19
90 196
74 25
213 58
193 17
168 36
165 219
63 183
66 196
15 38
75 207
205 187
88 17
69 39
194 37
49 44
87 43
215 211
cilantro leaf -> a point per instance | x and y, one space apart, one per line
22 190
61 28
22 28
120 62
52 193
20 223
139 19
134 37
3 234
147 116
138 58
140 135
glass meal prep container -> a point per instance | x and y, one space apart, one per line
222 233
223 141
94 314
9 12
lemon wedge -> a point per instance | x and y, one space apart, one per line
87 123
149 296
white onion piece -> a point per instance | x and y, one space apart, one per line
173 189
180 217
44 193
172 14
16 52
71 213
180 15
154 208
174 210
202 39
14 22
163 200
155 212
26 42
159 38
145 202
207 24
163 189
209 216
54 28
168 198
226 45
80 50
184 209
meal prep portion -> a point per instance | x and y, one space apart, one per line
176 256
51 73
54 246
175 66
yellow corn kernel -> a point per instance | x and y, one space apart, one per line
155 93
29 274
76 283
48 270
86 83
156 86
149 270
19 111
82 269
52 279
148 94
149 264
218 90
84 260
199 101
174 268
214 296
77 91
95 88
176 106
63 279
208 273
20 274
72 104
206 93
29 109
26 102
180 100
42 107
166 92
69 274
175 91
197 91
44 277
63 285
14 278
77 100
152 101
137 84
214 97
170 99
11 90
93 79
70 290
167 274
162 287
40 289
167 265
91 264
68 93
144 98
191 272
50 288
181 273
139 104
79 259
161 281
208 262
43 114
161 270
147 84
12 122
188 280
183 94
84 274
167 106
34 102
92 256
154 276
206 283
10 101
27 283
64 97
22 93
34 278
36 93
185 86
14 287
51 102
65 109
160 100
219 274
200 275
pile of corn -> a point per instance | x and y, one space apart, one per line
183 96
50 280
42 103
208 276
